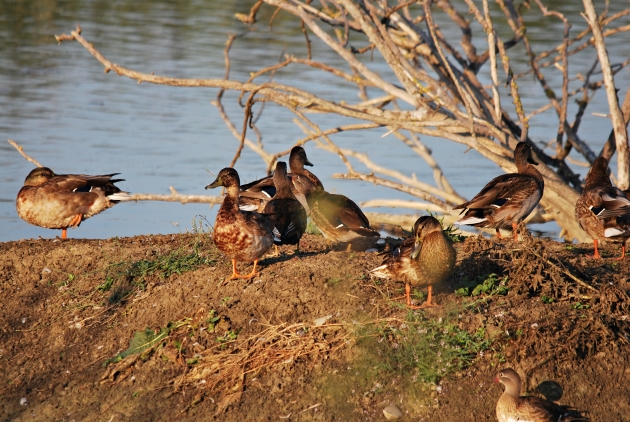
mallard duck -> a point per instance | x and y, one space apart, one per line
603 211
241 235
425 259
511 407
507 199
336 216
290 216
256 194
59 201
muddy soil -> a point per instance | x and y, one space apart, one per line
313 337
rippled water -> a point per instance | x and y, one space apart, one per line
59 105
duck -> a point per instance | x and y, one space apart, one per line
240 235
60 201
426 259
255 195
513 407
290 221
338 217
507 199
603 211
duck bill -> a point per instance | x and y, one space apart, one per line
530 160
215 184
415 252
308 163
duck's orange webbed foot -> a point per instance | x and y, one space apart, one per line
427 304
236 274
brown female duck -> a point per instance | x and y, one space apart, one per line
289 214
511 407
603 211
60 201
336 216
425 259
507 199
241 235
256 194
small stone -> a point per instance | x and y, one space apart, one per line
321 321
392 412
23 401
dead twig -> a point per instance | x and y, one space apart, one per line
20 149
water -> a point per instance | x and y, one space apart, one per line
58 104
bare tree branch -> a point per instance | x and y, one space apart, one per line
621 135
20 149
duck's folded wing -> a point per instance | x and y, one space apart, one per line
500 190
340 210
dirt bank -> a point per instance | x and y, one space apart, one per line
312 338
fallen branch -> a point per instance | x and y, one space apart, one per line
20 149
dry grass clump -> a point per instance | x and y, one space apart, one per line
219 365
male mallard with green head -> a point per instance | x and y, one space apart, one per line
426 259
507 199
513 407
603 211
241 235
59 201
290 216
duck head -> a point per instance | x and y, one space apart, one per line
298 159
39 176
421 228
228 178
510 380
523 155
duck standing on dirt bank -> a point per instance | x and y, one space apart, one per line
507 199
290 216
603 211
241 235
59 201
256 194
425 259
511 407
336 216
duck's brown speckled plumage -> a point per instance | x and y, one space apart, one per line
256 194
603 211
507 199
240 235
60 201
511 407
336 216
425 259
289 215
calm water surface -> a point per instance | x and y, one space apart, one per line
59 105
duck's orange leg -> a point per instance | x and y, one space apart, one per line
596 254
427 304
252 274
76 220
514 225
498 233
236 274
623 252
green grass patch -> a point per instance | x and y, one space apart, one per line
122 278
490 284
424 346
451 233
